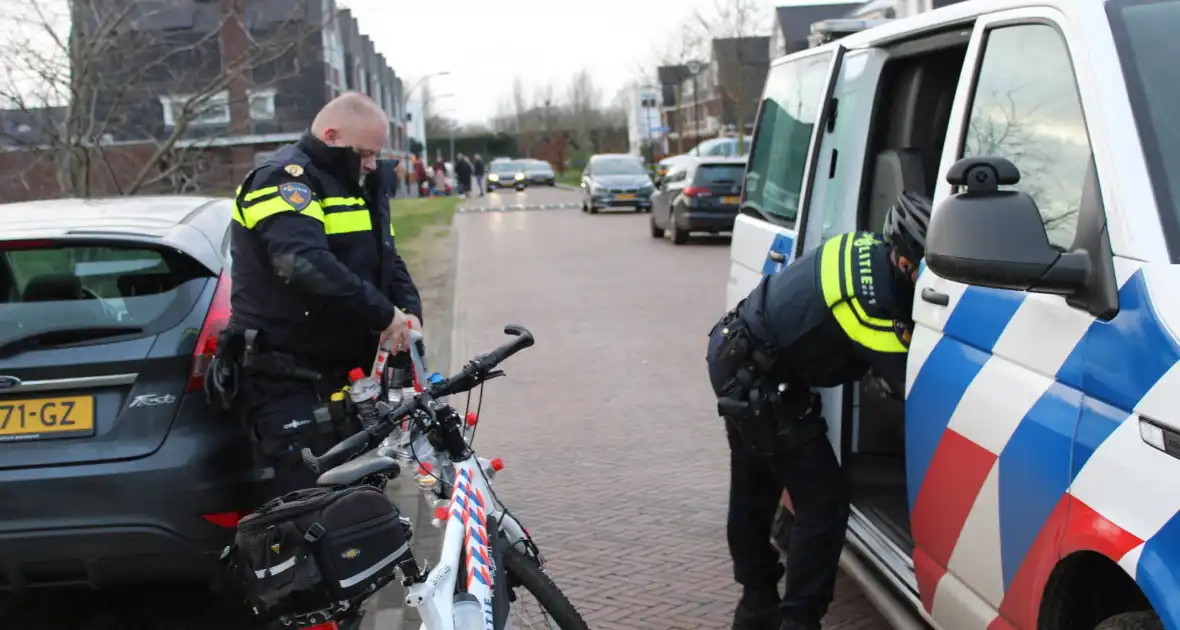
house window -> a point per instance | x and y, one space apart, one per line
216 110
262 104
213 111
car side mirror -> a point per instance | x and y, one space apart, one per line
995 238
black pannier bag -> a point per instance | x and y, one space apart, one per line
311 549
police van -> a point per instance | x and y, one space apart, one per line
1031 478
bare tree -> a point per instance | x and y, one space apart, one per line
737 76
584 99
686 44
103 77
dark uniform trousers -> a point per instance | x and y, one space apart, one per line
827 317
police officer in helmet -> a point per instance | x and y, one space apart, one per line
316 283
826 319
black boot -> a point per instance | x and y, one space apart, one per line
757 610
795 619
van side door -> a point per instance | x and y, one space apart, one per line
993 399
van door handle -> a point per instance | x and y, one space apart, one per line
935 297
777 257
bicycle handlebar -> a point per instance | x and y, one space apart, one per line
463 380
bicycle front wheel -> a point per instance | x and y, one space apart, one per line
557 613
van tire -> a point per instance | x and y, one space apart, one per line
1139 620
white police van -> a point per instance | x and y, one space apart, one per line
1032 477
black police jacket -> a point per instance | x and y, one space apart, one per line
315 268
834 313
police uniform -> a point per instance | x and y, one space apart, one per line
315 278
822 321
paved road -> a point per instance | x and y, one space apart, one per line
614 456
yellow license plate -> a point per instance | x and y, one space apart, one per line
625 197
732 201
46 418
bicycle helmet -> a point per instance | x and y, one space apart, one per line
905 226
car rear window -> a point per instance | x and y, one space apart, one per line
720 174
48 287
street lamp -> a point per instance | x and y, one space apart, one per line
406 103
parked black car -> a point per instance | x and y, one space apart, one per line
114 469
539 172
613 180
698 195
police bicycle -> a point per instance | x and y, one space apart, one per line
487 557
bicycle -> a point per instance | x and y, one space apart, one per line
483 541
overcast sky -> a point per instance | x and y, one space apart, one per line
484 43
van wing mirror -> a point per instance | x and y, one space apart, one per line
995 238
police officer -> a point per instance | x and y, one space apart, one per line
317 281
825 320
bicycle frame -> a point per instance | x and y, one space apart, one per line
465 538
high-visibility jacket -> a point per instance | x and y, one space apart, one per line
834 313
314 266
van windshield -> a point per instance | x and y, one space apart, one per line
1145 36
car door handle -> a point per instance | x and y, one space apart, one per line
935 297
777 257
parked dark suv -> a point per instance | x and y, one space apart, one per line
698 195
113 467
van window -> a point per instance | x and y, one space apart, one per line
1145 35
789 111
1026 108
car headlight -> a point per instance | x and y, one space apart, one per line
493 177
519 176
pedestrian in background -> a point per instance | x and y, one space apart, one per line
463 171
477 169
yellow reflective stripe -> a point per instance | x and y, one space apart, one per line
263 209
876 340
392 232
333 202
829 270
261 192
347 222
237 215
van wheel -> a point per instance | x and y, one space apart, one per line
656 231
1140 620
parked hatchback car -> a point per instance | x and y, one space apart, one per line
698 196
539 172
113 467
613 180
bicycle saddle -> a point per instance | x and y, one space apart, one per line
351 472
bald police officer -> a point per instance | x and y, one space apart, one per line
317 281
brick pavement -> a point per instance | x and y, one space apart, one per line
614 457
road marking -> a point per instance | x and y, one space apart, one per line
518 207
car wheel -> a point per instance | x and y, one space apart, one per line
656 231
593 209
679 236
584 208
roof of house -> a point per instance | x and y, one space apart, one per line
750 50
795 22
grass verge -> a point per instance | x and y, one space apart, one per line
571 176
412 216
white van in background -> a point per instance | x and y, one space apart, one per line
1031 479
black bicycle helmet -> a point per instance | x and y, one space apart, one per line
905 226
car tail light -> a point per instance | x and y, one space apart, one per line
697 191
227 520
215 321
